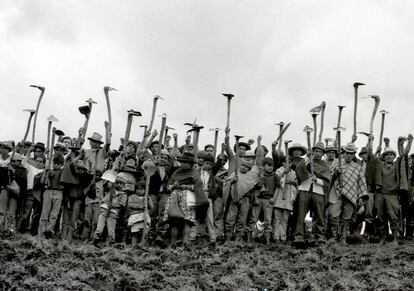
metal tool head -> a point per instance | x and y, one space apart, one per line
228 95
169 128
308 129
318 108
32 111
91 101
52 118
163 115
328 139
383 112
59 132
314 114
286 142
156 97
85 110
238 136
375 97
356 84
144 126
107 88
215 129
38 87
339 129
341 106
280 123
363 133
134 113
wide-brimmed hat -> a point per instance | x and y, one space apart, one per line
319 145
243 144
388 150
187 158
350 148
7 144
40 145
17 157
60 145
363 151
249 154
297 146
96 137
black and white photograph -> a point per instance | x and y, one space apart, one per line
206 145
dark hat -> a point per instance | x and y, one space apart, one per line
7 144
209 158
264 149
297 146
58 159
187 158
243 144
135 144
40 145
319 145
268 161
208 146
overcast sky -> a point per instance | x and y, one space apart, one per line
279 59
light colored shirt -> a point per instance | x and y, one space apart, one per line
306 185
31 173
205 177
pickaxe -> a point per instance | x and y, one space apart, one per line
338 134
308 131
237 165
42 92
287 163
216 131
327 140
163 125
356 85
85 110
315 129
279 138
108 105
281 124
383 113
374 112
196 128
154 108
50 120
131 114
229 97
167 128
31 112
145 130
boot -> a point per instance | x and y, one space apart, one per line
409 231
395 237
267 238
383 234
344 233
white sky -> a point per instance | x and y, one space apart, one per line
279 58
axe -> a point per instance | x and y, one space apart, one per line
167 128
108 105
315 129
154 108
31 112
50 120
281 124
216 131
229 97
356 85
131 114
42 92
383 113
287 163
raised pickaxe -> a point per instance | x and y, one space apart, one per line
284 194
108 105
42 92
50 120
315 129
131 114
85 110
279 138
29 121
338 134
281 124
229 97
356 85
327 140
162 131
145 130
308 131
383 113
167 128
196 128
154 108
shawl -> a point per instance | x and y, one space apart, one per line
353 182
321 170
245 183
190 177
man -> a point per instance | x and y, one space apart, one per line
97 153
350 192
312 190
209 149
386 195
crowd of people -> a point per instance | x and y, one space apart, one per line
154 193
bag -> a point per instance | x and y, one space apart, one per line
174 210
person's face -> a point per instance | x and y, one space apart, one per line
200 161
37 152
57 165
348 157
39 163
297 153
330 155
3 150
191 149
25 149
130 149
163 160
210 150
154 148
119 185
67 142
207 165
16 163
244 169
94 144
389 157
268 168
59 151
364 157
242 150
141 191
317 154
131 163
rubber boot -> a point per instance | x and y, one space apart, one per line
267 238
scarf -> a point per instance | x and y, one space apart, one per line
245 183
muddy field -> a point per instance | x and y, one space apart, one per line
30 263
